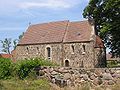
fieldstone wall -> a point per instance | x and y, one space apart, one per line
75 54
63 76
79 57
33 51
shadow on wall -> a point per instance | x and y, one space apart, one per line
101 60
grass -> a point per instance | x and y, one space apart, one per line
113 64
43 84
14 84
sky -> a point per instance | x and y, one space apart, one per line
16 15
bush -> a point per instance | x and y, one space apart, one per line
112 64
24 67
5 68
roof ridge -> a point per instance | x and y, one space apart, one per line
79 21
49 22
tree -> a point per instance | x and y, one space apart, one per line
15 42
106 16
6 45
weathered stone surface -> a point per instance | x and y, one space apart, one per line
116 75
111 82
107 70
41 73
67 76
76 76
68 82
54 73
95 81
85 77
92 77
53 80
51 70
107 76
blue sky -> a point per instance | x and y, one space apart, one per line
15 15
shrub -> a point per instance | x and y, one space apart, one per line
5 68
112 64
24 67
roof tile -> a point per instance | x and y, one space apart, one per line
60 31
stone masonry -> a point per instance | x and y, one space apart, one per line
65 76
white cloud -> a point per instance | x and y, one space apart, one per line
53 4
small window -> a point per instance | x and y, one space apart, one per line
27 49
83 49
48 53
37 48
72 49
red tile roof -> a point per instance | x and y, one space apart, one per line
99 43
45 33
5 55
61 31
78 32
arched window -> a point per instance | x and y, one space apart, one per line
48 52
66 63
27 50
38 49
83 49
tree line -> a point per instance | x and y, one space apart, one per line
7 44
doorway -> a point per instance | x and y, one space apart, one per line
66 63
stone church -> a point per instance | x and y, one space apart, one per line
66 43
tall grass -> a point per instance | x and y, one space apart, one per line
12 84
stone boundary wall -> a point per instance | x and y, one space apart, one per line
66 76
